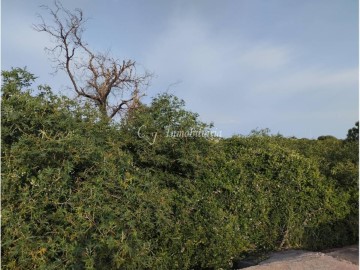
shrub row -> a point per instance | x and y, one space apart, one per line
82 193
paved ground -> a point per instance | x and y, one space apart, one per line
346 258
350 253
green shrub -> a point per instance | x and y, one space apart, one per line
82 193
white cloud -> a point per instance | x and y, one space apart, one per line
189 51
310 80
265 57
217 72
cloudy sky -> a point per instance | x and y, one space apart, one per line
287 65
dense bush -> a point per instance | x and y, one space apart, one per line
338 162
290 197
79 192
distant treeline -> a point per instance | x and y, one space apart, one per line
82 192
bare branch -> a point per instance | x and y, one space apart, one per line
93 75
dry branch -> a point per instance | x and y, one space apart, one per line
93 75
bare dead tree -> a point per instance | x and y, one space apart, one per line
95 76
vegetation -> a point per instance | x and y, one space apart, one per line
353 133
95 76
80 192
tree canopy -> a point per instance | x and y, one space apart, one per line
353 133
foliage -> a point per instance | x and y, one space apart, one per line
82 193
353 133
326 137
338 161
294 197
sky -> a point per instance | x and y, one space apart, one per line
287 65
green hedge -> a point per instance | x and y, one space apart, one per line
82 193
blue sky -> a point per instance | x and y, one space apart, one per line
287 65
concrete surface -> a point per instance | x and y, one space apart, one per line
350 254
346 258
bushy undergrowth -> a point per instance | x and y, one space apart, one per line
79 192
